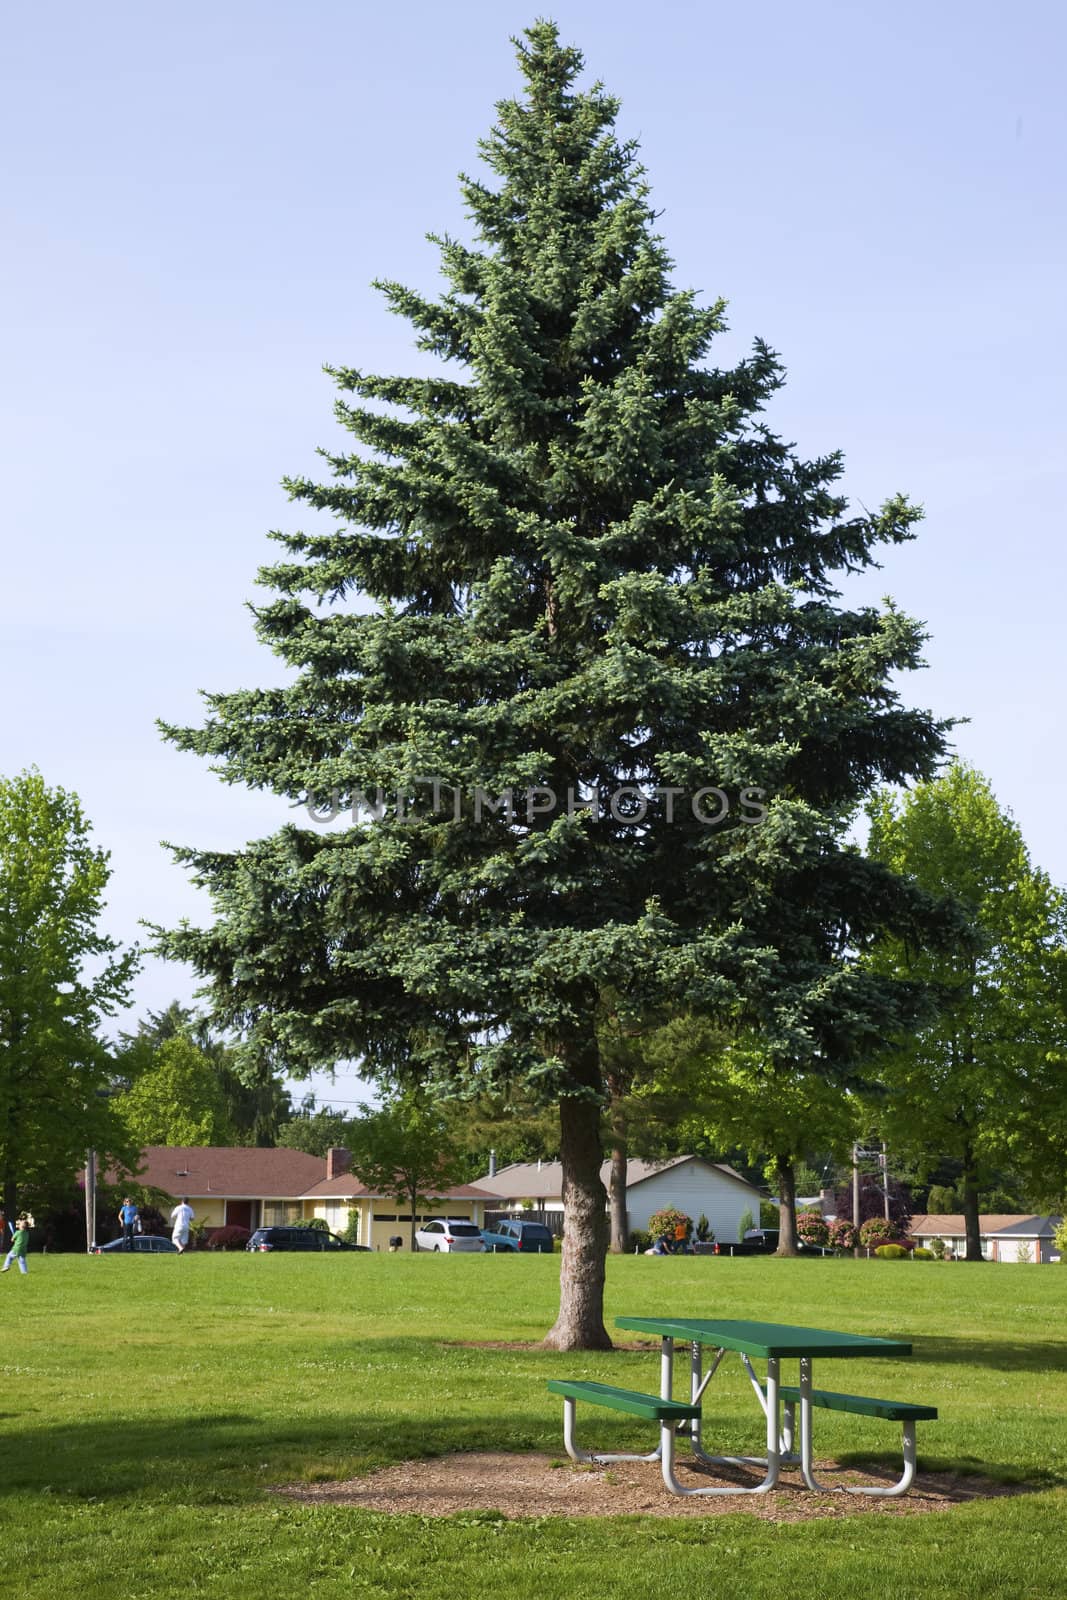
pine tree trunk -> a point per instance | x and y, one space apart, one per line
787 1211
580 1324
620 1232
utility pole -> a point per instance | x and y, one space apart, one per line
90 1199
885 1179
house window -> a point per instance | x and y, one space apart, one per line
281 1213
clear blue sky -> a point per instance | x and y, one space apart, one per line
197 200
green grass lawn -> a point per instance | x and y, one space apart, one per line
147 1406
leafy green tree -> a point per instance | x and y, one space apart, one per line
514 1126
576 568
942 1201
405 1149
60 977
316 1129
731 1092
176 1099
983 1084
256 1104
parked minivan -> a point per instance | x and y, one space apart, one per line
532 1238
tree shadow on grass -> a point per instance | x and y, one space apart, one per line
211 1458
1031 1355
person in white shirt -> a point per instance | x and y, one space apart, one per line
181 1217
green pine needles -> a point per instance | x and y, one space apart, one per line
578 598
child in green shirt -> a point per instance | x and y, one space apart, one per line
18 1246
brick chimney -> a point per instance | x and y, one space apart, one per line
337 1161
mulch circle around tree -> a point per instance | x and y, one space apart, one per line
533 1485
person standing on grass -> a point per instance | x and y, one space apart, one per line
128 1216
5 1231
181 1217
18 1246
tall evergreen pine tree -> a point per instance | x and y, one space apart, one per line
581 562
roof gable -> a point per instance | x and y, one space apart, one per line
530 1180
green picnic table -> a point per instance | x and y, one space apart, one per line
769 1342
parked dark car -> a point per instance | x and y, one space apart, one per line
532 1238
755 1244
316 1239
144 1244
766 1243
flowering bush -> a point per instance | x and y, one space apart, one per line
876 1230
842 1234
811 1229
663 1224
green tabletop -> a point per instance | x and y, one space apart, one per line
765 1338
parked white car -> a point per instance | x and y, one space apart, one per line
449 1234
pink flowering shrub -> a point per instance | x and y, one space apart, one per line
876 1231
842 1234
811 1229
662 1224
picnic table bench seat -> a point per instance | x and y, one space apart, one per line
902 1411
669 1414
863 1405
652 1407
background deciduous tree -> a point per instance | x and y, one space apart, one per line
176 1099
405 1148
60 977
315 1129
255 1105
727 1090
983 1085
569 558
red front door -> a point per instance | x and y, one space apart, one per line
239 1214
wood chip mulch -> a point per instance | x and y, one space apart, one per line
546 1486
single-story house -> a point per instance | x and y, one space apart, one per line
1004 1237
251 1188
382 1216
689 1183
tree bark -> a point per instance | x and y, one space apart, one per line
971 1225
787 1210
580 1323
413 1198
620 1232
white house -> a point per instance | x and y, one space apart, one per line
1004 1237
689 1183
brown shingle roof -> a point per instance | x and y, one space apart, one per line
348 1187
237 1172
933 1226
241 1172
